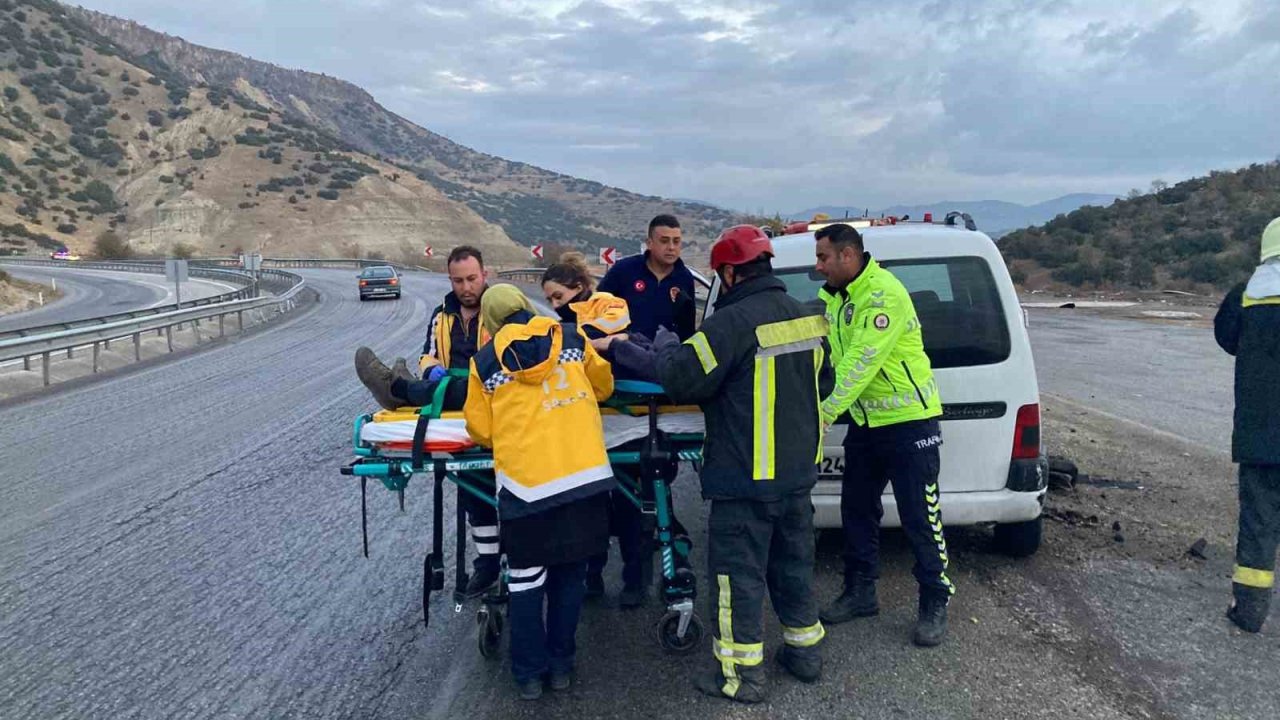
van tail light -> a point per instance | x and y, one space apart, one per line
363 283
1026 433
394 281
928 217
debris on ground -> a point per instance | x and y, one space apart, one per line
1197 549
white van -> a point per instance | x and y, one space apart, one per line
993 469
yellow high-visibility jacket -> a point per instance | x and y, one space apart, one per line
532 397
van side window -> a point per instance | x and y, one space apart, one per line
956 299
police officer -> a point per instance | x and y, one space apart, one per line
885 383
753 368
1248 327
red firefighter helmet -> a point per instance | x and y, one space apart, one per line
738 245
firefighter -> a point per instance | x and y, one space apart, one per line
1248 327
755 368
883 379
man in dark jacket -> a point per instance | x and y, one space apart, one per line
1248 327
657 286
755 369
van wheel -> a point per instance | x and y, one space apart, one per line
1019 539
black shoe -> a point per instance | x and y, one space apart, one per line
858 600
1249 608
804 665
748 689
561 681
400 371
530 689
377 377
632 596
595 586
484 577
931 627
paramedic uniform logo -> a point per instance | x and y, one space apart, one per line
640 286
882 321
848 314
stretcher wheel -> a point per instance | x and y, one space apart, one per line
669 625
489 631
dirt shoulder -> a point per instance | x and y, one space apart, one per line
19 295
1116 586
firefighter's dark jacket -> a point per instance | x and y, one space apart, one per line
1249 329
758 368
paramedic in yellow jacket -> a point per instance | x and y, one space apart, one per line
532 396
601 317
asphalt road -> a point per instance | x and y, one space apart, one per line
1171 377
90 293
177 542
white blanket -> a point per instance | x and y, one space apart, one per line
618 429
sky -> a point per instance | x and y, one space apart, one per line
780 106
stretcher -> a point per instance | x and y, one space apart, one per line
646 437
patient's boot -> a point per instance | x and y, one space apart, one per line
377 377
400 370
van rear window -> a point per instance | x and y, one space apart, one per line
955 298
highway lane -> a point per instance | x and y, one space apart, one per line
177 542
90 293
1170 377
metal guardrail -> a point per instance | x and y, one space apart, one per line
355 263
100 336
250 289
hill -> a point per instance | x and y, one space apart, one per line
96 138
531 204
1200 234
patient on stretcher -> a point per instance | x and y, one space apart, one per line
602 318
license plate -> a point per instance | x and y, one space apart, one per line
833 466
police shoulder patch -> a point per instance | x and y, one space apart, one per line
881 321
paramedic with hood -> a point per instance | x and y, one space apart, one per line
756 368
1248 327
884 380
533 397
657 286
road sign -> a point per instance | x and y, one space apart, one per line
175 271
428 251
608 255
536 252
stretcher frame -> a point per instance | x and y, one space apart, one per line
644 470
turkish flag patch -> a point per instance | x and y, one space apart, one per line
640 286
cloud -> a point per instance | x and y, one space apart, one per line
775 106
